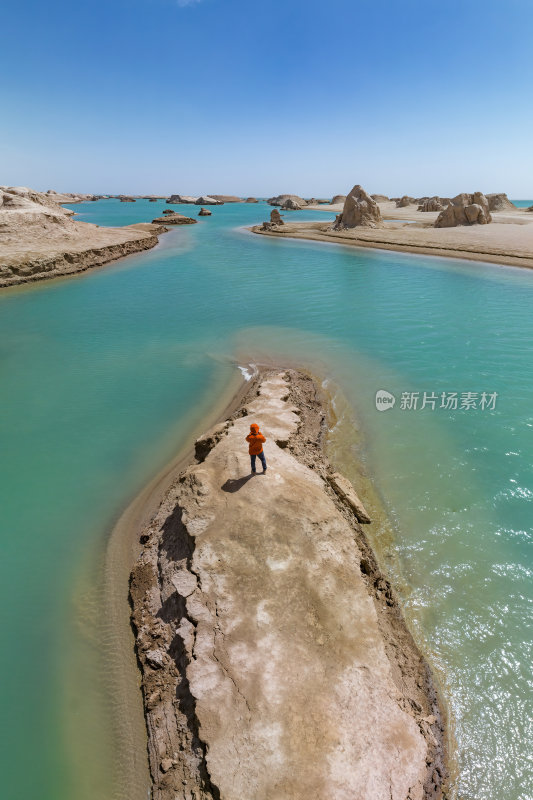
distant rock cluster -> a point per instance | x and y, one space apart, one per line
431 204
291 202
465 209
359 210
203 200
405 201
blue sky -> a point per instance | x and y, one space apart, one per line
253 97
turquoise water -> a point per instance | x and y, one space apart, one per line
522 203
102 377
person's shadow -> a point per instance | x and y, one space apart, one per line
234 484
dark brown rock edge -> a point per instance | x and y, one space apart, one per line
172 725
59 265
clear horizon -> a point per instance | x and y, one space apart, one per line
161 97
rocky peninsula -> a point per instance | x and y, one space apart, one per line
471 226
275 659
39 240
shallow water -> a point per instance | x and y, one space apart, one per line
103 375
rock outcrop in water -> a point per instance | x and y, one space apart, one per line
226 198
252 200
291 205
182 199
280 199
275 660
174 219
204 212
359 210
465 209
39 240
206 200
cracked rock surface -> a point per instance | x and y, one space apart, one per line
275 661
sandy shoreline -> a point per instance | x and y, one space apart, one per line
124 546
508 240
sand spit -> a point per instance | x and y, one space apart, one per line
39 240
274 656
507 240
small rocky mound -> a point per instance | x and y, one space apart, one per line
226 198
465 209
530 208
359 210
182 198
339 198
379 198
405 201
431 204
275 220
206 200
168 211
174 219
126 199
282 198
291 205
204 212
500 202
251 200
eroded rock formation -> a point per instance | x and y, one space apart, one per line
338 198
291 205
379 198
500 202
206 200
39 240
280 199
405 201
252 200
359 209
204 212
184 199
275 659
431 204
226 198
174 219
465 209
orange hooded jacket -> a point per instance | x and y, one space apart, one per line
255 440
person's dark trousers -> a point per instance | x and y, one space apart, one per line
261 457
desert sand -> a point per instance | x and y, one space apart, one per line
507 240
275 660
39 240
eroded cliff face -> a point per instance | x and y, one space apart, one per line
275 661
39 240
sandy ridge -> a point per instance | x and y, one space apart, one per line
192 634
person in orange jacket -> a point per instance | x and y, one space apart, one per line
255 441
